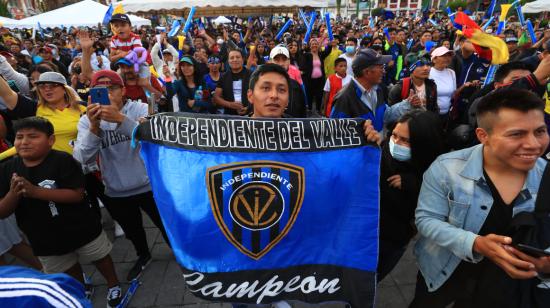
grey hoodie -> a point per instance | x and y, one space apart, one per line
121 166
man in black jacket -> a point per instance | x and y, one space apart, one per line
232 87
365 96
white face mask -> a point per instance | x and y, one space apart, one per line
219 41
399 152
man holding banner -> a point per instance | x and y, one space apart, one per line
249 230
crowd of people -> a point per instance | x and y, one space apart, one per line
462 155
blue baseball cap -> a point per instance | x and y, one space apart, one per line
124 61
186 60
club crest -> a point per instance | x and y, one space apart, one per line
255 203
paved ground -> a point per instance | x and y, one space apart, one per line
163 286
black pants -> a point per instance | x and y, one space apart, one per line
458 290
94 190
389 254
126 211
314 90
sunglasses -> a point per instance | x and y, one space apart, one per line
48 85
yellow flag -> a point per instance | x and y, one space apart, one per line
499 50
181 41
504 8
8 153
119 9
153 71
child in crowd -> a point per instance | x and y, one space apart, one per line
335 83
45 190
123 42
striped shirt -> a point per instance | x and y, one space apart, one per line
24 287
125 45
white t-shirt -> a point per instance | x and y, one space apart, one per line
420 92
345 81
348 60
446 87
238 90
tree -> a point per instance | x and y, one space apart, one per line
4 11
454 5
377 12
338 6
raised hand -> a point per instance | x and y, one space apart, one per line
85 41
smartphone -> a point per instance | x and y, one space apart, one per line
100 95
532 251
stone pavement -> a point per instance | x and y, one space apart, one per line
163 286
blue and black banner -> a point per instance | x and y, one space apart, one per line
261 210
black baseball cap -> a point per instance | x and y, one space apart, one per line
121 17
368 57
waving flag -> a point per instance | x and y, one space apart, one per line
119 9
504 8
498 49
108 15
491 9
261 210
40 30
520 13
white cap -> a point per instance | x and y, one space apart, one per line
440 51
279 50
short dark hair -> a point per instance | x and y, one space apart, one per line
352 39
505 69
340 60
267 68
510 98
39 123
237 50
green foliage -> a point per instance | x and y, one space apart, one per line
454 5
377 12
4 9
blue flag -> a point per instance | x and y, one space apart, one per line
261 210
175 28
108 15
389 15
40 30
490 10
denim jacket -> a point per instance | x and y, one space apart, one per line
453 204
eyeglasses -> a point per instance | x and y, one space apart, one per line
44 86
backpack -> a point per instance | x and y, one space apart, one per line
405 87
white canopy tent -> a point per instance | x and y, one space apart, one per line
536 7
220 7
8 22
221 20
86 13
